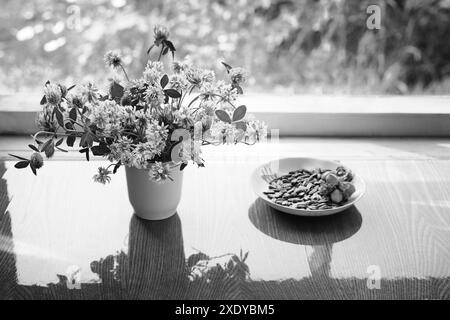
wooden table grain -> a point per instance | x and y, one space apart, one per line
224 243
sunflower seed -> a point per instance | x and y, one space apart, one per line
301 188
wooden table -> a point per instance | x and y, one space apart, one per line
224 242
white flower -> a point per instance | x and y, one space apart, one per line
121 151
53 94
178 82
208 107
153 72
180 66
159 172
157 134
199 77
227 92
208 76
161 33
238 75
154 95
183 117
135 83
206 114
44 119
222 132
142 154
126 159
107 115
89 92
194 76
113 59
102 176
128 116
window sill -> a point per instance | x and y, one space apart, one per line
302 115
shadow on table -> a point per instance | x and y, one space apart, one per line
319 233
312 231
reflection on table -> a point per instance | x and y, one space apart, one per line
79 240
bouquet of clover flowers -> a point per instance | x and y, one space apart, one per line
154 122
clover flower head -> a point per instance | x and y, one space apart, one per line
153 72
89 93
209 107
102 176
63 89
155 65
107 116
208 90
224 132
180 66
159 172
156 135
74 101
141 155
208 76
161 33
182 116
178 82
36 160
113 59
226 91
238 75
44 119
121 151
194 76
53 94
154 95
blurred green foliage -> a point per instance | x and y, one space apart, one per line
289 46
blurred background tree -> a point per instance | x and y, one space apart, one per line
289 46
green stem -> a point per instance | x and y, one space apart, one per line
126 75
193 100
184 96
43 132
81 125
160 53
218 95
112 165
72 131
131 133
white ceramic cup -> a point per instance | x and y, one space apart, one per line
154 200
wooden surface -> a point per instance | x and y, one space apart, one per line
60 221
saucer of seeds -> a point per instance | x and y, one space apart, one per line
307 186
